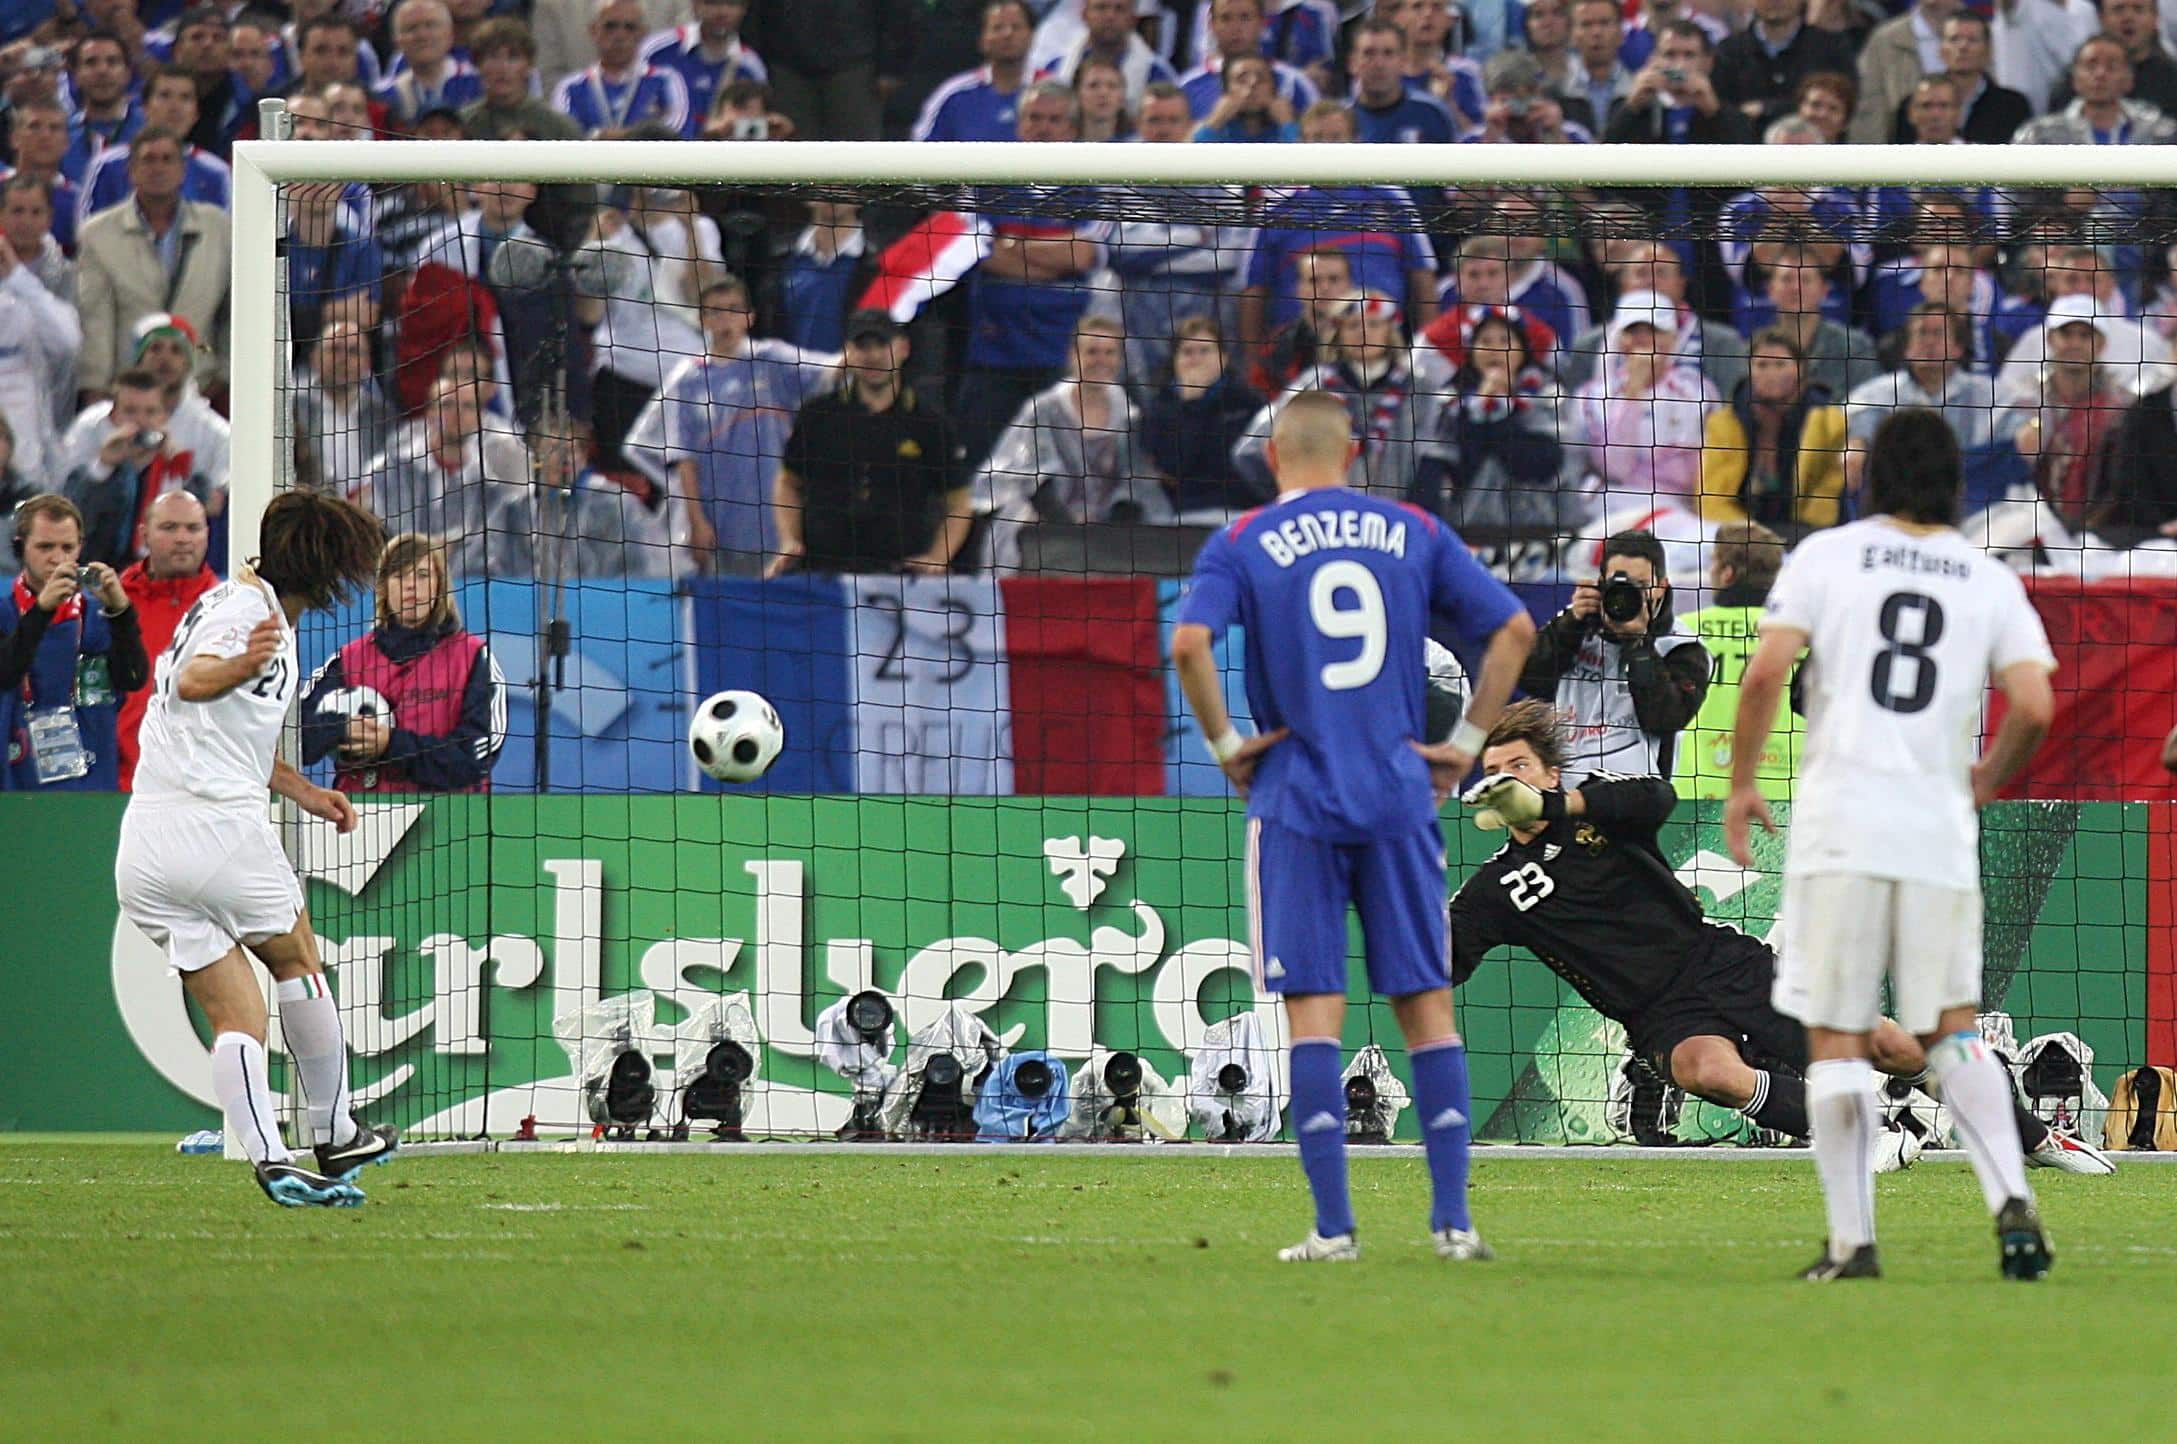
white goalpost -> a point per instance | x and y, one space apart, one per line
573 906
262 166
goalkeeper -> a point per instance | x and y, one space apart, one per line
1583 885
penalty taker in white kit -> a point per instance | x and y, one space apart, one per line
1335 590
1905 622
199 867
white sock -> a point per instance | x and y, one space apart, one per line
1841 1108
238 1077
1976 1087
310 1022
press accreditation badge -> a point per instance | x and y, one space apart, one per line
56 745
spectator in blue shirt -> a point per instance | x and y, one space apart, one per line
105 115
1395 259
1250 109
41 138
334 265
1384 110
427 75
1235 29
170 103
1027 294
983 103
829 266
621 90
709 55
1434 64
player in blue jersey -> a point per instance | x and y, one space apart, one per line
1335 590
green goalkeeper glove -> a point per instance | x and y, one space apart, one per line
1504 801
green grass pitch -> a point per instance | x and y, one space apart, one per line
1002 1295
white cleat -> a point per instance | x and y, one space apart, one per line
2070 1153
1461 1244
1897 1149
1317 1249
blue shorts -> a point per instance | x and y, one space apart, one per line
1298 889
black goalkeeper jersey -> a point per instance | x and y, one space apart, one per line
1593 898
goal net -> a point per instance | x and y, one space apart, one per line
918 442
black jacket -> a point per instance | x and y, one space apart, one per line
1667 689
825 37
1643 125
1191 442
1991 120
1746 72
2136 487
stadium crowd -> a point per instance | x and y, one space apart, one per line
733 381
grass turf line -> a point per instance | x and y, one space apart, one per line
999 1295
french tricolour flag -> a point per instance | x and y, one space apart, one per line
945 685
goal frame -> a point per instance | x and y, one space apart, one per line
260 352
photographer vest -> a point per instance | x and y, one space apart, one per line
1730 632
425 693
69 667
1602 730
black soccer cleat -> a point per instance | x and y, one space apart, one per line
372 1143
1863 1264
2024 1248
292 1187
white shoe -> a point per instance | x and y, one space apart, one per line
1317 1249
2070 1153
1897 1150
1462 1244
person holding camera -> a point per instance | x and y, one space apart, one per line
1627 677
136 460
64 663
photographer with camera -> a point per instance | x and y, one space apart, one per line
64 663
1627 677
136 460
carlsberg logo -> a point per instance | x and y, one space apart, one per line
1081 944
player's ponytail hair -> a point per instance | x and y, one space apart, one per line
1914 471
317 547
1538 724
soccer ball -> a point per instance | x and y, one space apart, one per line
358 702
735 736
353 702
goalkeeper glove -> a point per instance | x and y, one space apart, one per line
1504 801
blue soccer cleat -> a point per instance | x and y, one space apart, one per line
292 1187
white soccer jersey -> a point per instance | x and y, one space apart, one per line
218 752
1903 633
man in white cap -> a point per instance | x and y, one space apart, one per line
2067 426
2081 281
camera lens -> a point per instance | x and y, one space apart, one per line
1033 1078
869 1013
1622 599
1231 1078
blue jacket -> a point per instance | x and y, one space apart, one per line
95 664
1003 1114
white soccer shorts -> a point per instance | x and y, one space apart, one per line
198 882
1844 932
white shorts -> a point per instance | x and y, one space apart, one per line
1844 932
200 882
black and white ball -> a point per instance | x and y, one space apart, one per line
358 702
735 736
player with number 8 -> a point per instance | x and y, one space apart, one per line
1335 591
1906 624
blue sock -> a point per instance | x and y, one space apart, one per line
1319 1123
1440 1092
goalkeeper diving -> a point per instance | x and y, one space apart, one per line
1582 884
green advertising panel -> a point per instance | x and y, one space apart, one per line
458 929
